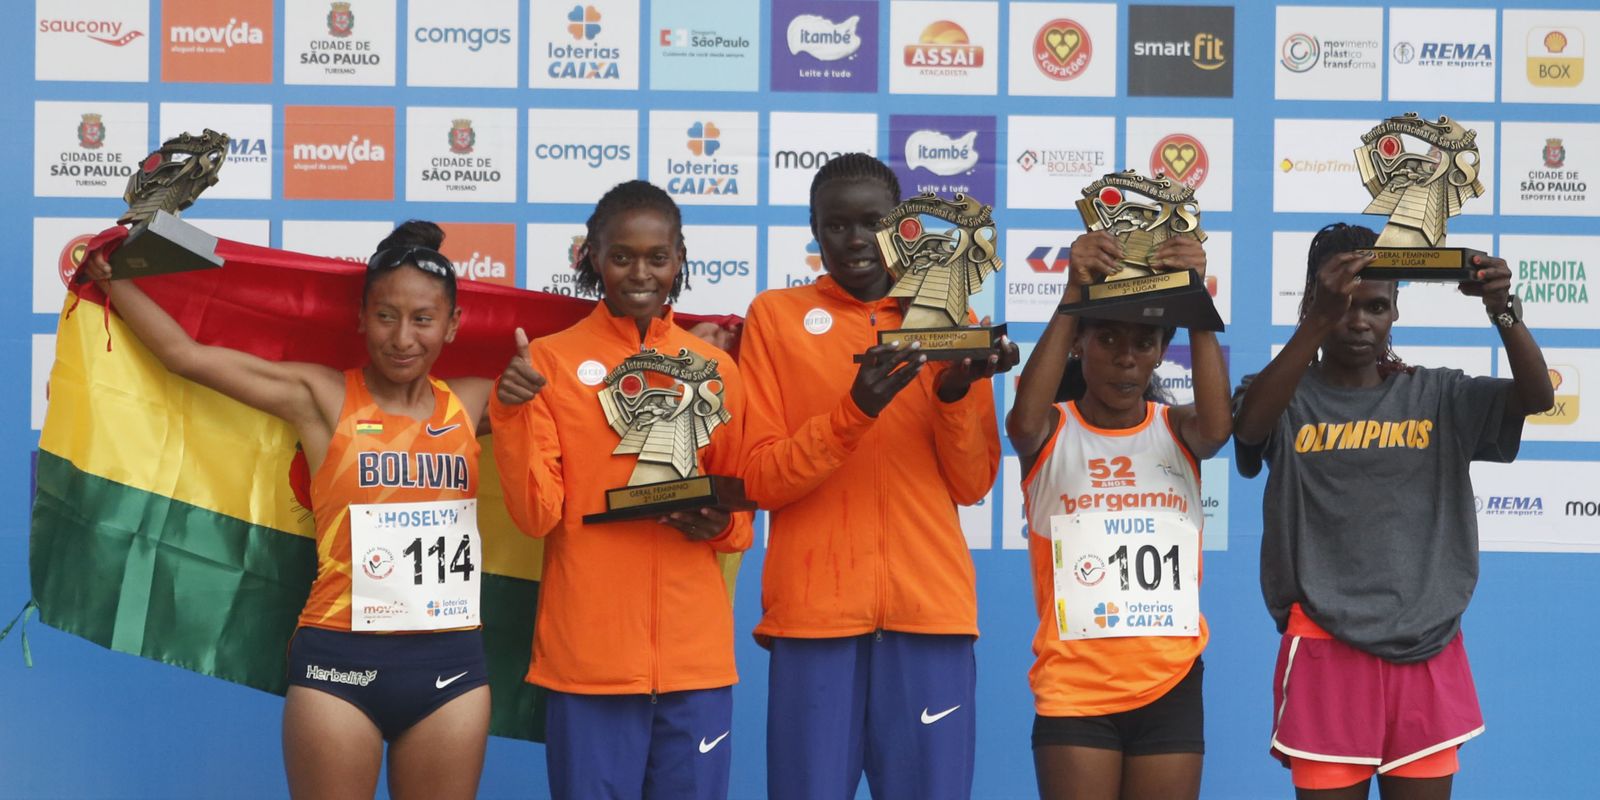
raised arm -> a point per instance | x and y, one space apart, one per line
1268 395
307 396
1532 391
1204 425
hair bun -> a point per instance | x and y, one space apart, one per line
414 233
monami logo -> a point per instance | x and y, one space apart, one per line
944 44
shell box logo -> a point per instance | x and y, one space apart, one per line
104 31
944 48
1182 158
91 132
341 20
72 257
1555 57
1555 154
1564 380
462 137
338 153
584 23
1062 49
482 252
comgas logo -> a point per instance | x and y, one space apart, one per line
473 38
592 154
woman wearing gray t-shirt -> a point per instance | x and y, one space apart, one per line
1367 583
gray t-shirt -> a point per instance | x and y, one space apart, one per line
1368 516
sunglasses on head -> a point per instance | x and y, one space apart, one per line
424 258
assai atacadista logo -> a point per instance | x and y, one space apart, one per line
1062 49
1555 57
943 49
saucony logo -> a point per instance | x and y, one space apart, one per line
929 719
432 431
440 683
706 747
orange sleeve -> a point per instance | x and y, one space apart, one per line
727 456
966 437
528 455
780 466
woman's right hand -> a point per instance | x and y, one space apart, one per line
98 269
877 381
520 382
1336 282
1095 256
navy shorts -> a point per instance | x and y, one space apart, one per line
395 679
1174 723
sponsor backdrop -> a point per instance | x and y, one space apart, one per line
506 120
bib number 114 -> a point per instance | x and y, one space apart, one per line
460 563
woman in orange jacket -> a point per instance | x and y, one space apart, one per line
634 633
869 599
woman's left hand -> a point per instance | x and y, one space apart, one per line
960 375
1493 283
699 525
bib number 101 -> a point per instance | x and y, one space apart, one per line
461 561
1147 561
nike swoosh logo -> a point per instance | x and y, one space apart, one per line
929 719
440 683
706 747
432 431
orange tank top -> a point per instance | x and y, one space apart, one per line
375 457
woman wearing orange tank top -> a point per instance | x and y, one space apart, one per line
1118 716
393 454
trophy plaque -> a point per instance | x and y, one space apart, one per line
1142 213
1420 188
168 181
938 252
665 408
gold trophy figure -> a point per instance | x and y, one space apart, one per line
938 271
166 182
665 409
1420 188
1142 213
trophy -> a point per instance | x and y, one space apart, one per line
168 181
1142 213
937 271
1420 191
665 408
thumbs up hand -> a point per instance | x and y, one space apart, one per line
520 381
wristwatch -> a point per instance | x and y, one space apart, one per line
1511 315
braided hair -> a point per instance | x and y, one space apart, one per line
624 197
1074 385
1331 241
853 167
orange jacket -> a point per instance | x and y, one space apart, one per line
864 531
624 607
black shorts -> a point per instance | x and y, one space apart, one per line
395 679
1174 723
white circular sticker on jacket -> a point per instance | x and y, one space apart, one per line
818 321
591 372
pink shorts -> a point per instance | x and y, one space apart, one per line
1334 703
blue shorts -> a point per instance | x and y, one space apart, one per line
899 706
395 679
675 745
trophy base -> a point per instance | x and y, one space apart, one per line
946 344
1176 299
1445 264
648 500
163 244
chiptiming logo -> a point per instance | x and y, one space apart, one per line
579 60
1553 183
1062 49
1555 57
703 174
943 50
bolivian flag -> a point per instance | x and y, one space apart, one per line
166 522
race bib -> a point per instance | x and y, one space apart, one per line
416 566
1126 574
